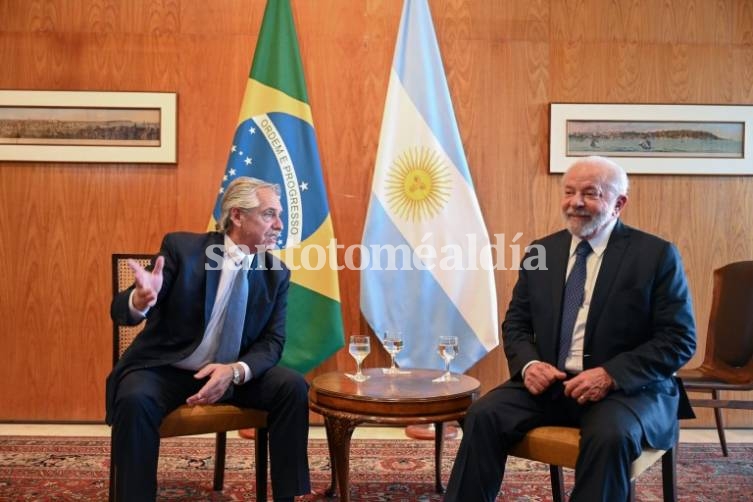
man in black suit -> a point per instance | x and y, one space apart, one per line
592 335
187 297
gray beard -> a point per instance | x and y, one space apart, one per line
588 229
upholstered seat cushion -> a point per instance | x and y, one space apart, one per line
201 419
556 445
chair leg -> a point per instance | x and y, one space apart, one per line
720 424
668 471
631 491
219 461
111 487
558 483
262 440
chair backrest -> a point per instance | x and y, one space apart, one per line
122 278
729 341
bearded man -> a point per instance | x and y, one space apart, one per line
592 340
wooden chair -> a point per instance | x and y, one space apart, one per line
559 447
200 419
728 360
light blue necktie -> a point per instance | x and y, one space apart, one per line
235 315
573 300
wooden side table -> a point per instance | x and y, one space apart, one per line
403 399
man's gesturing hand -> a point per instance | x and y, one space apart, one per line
148 284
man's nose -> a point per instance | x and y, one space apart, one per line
577 200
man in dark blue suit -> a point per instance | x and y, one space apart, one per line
599 321
186 354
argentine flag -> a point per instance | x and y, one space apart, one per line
426 262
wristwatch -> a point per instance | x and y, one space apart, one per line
236 374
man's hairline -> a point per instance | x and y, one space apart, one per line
608 183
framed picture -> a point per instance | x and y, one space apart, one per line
654 139
87 126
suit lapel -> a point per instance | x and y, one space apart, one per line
213 271
558 268
610 266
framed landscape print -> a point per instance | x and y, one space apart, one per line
88 126
654 139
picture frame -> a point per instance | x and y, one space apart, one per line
88 126
654 138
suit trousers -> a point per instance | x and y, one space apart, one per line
611 438
145 396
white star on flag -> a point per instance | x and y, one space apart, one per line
233 148
231 172
252 130
248 161
304 186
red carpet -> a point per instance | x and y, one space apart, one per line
68 469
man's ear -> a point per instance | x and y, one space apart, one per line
620 204
235 216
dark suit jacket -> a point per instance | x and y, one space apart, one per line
640 324
175 325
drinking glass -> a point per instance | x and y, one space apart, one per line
448 349
393 343
359 348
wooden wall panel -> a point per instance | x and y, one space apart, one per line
505 62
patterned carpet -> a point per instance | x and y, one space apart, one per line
63 469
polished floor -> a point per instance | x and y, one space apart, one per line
317 432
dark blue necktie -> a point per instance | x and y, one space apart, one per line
573 300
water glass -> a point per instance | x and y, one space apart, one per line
393 343
359 347
448 349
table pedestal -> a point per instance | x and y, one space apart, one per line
403 399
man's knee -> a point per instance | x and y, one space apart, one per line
612 439
490 419
498 407
479 412
133 404
291 384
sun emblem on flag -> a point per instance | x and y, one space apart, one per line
418 185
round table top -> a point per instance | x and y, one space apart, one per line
384 397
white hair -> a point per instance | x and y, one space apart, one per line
243 194
615 177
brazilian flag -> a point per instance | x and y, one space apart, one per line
275 141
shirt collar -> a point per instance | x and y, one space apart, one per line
598 242
235 252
